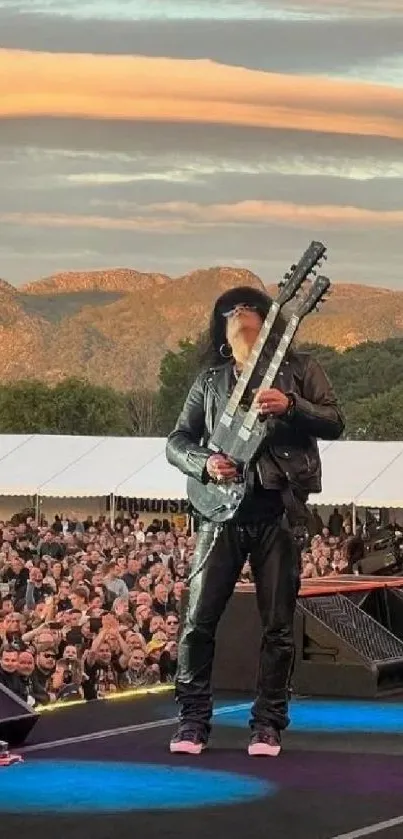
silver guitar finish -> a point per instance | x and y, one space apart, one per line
239 433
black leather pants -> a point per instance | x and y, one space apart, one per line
220 554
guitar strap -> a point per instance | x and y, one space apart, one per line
294 499
296 509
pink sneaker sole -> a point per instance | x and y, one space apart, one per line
185 747
263 750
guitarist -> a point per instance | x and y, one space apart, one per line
300 408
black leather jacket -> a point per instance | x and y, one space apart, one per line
291 451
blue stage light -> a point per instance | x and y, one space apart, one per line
327 716
92 787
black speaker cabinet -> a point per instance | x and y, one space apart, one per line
343 651
16 718
348 645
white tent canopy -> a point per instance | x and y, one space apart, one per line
387 484
155 479
52 466
28 461
365 473
112 462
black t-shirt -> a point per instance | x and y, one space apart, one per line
27 554
160 608
15 640
13 682
64 605
41 592
130 580
167 667
27 688
40 682
10 576
101 678
18 583
53 549
68 693
262 505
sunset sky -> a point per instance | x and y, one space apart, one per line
166 136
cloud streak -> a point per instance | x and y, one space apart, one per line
166 90
184 217
358 46
201 9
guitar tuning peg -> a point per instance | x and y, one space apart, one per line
293 267
281 284
287 276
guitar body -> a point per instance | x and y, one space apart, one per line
216 502
219 502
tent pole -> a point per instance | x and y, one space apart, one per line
37 505
354 519
113 512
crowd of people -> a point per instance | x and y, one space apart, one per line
87 610
331 549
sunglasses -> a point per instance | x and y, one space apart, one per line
240 307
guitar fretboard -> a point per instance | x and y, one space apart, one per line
249 368
271 373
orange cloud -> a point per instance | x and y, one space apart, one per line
159 225
279 211
186 217
160 89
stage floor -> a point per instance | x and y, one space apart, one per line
104 770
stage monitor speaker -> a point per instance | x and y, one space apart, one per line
343 651
346 645
385 605
16 718
394 611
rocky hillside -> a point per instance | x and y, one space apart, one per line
114 326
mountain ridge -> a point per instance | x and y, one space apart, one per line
113 326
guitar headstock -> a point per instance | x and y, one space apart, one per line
297 274
311 300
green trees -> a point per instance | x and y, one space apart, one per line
378 417
365 370
25 408
71 407
177 372
368 380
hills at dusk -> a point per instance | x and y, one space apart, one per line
114 326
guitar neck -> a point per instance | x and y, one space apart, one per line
271 373
249 368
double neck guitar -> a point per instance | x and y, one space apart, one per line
239 432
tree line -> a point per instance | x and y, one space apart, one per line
368 380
